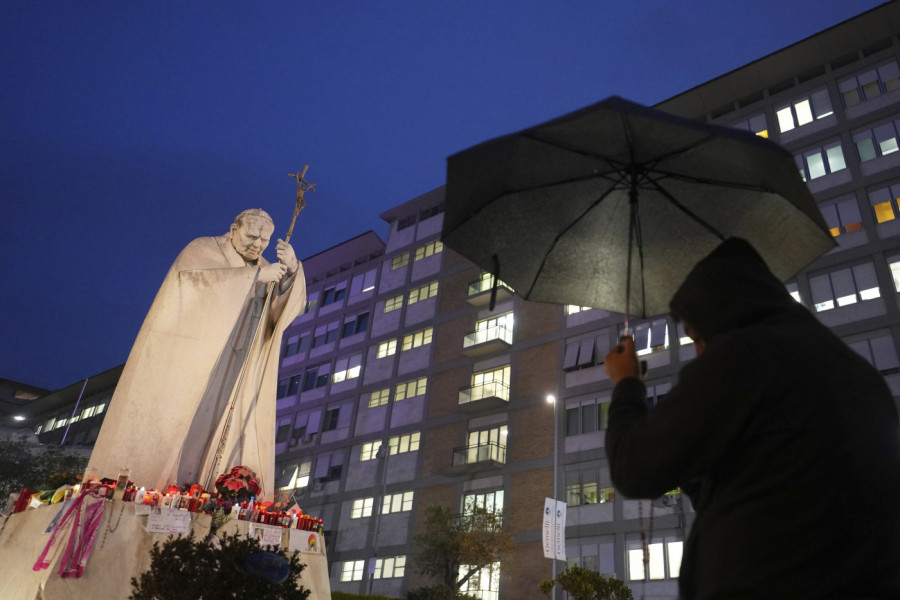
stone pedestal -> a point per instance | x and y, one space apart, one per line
121 551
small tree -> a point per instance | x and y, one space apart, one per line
584 584
449 542
183 568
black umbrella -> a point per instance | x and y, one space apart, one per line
612 205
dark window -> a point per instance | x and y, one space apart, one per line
282 434
331 419
288 386
406 221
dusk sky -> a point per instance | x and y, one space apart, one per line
129 129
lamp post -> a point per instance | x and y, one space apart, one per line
382 456
551 399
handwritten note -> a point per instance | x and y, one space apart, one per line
268 535
167 520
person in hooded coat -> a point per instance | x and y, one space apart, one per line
786 441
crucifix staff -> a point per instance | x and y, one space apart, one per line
303 186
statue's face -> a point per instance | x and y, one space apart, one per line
252 237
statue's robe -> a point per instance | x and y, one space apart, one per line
168 411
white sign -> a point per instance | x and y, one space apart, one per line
268 535
554 529
168 520
308 542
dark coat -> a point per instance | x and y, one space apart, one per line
786 441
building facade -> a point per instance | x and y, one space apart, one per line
401 388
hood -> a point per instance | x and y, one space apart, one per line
732 287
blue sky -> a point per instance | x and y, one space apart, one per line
128 129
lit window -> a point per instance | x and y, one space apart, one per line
884 202
394 303
842 216
664 559
419 338
427 250
487 445
392 567
404 443
878 141
352 570
401 260
491 383
299 476
423 293
649 336
484 583
804 110
401 502
379 397
347 367
821 161
494 328
844 286
492 502
369 451
572 309
386 349
362 508
869 84
411 389
589 484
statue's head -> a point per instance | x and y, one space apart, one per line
250 233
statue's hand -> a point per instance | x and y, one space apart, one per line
286 255
272 272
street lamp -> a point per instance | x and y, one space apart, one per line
382 456
551 399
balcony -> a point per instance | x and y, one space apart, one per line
470 459
484 396
480 291
488 340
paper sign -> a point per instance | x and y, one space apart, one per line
141 510
268 535
308 542
167 520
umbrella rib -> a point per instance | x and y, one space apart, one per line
559 235
686 210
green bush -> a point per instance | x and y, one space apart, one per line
183 568
348 596
438 592
584 584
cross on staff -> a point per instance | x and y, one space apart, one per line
303 186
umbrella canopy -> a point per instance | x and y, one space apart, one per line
612 205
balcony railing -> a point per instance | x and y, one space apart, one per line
480 454
479 291
488 339
484 395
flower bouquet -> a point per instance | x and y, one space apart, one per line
239 484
